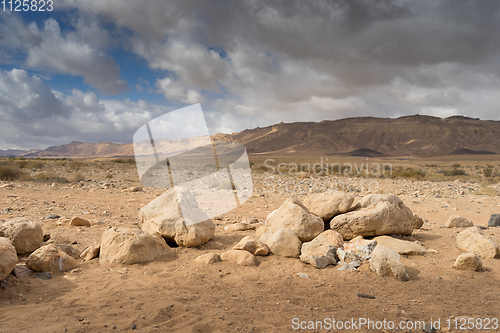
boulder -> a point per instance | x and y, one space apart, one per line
386 262
377 214
26 235
328 204
468 261
208 258
292 215
283 242
320 252
362 247
90 252
474 240
175 215
253 245
130 246
79 222
8 257
240 257
401 246
494 220
50 258
456 221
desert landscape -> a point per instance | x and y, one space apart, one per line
351 235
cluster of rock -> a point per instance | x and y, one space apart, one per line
326 229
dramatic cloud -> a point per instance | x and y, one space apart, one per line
254 62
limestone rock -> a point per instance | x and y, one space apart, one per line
456 221
70 250
468 261
240 257
240 226
474 240
418 222
8 257
253 245
90 252
21 271
283 242
133 189
377 214
79 222
26 235
130 246
362 247
164 216
50 258
320 252
401 246
208 258
386 262
329 204
494 220
292 215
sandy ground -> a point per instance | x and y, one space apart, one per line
177 295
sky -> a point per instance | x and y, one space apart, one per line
96 71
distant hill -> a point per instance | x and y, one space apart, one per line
363 136
409 135
16 152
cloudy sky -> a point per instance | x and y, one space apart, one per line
94 70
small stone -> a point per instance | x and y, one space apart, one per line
468 261
303 276
90 252
134 327
456 221
208 258
345 266
494 220
239 227
241 257
252 245
429 329
79 222
21 271
52 217
386 262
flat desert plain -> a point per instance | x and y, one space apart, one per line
177 294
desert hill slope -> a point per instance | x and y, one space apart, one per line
410 135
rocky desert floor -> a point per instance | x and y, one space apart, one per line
176 294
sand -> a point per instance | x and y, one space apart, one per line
177 295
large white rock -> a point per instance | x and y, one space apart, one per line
8 257
240 257
188 226
50 258
294 216
401 246
328 204
283 242
386 262
468 261
456 221
474 240
320 252
377 214
130 246
26 235
253 245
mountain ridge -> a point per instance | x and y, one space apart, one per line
416 135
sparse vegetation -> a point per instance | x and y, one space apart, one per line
124 161
10 172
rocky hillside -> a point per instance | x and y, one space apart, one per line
363 136
411 135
